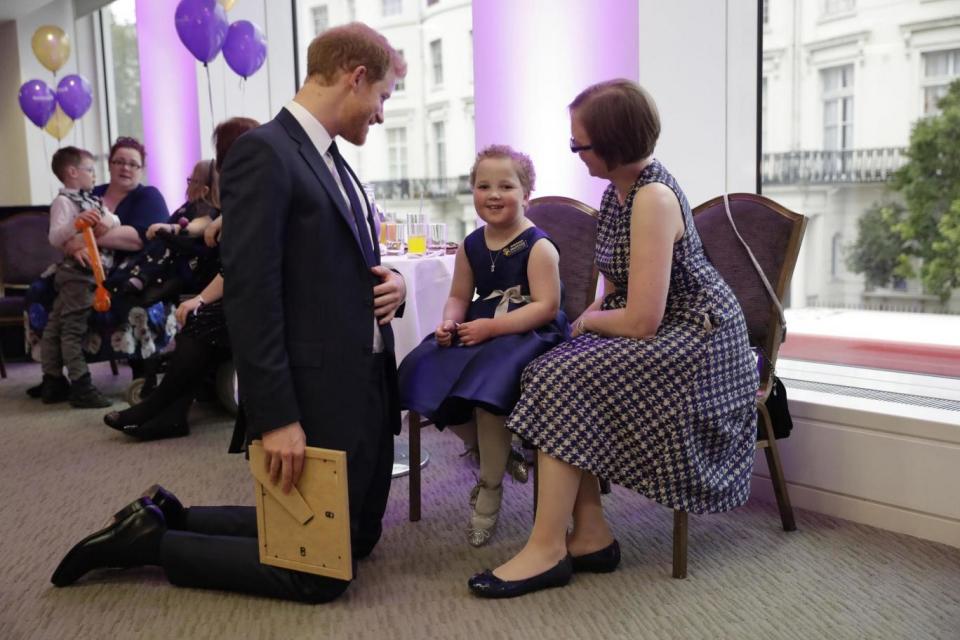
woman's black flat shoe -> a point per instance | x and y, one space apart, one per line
603 561
113 420
487 585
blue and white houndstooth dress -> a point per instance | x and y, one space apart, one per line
673 416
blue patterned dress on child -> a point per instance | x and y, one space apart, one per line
672 416
445 384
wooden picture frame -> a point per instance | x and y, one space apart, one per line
307 529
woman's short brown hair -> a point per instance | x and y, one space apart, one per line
126 142
227 132
349 46
522 164
621 119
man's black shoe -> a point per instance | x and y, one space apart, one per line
54 389
173 512
131 542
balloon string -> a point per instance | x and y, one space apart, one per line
46 163
243 96
209 95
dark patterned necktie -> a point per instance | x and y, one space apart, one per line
358 217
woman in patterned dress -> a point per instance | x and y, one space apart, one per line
657 392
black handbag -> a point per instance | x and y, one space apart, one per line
779 413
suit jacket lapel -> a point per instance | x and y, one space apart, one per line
316 163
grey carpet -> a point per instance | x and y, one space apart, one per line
63 473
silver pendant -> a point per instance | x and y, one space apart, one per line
492 268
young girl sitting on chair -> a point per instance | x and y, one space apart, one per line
503 312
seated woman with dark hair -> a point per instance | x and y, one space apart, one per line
201 344
175 260
137 205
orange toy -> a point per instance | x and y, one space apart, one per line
101 297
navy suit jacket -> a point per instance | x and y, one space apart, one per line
298 294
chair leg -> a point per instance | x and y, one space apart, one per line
413 428
776 473
3 366
679 544
113 367
536 482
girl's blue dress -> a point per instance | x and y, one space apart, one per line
445 384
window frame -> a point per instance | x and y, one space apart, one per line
436 62
937 82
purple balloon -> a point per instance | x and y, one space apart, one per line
37 101
202 27
74 95
245 48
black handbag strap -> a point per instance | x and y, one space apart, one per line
756 265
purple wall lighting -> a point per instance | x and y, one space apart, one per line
531 59
168 99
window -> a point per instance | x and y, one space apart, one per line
831 7
837 116
351 10
436 59
401 82
321 19
440 145
830 150
397 152
939 69
430 3
836 255
120 38
392 7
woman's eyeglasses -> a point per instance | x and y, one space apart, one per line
129 164
577 148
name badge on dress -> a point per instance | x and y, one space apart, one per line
516 247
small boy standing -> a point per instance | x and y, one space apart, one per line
62 342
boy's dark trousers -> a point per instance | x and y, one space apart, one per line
62 342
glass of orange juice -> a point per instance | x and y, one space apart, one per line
416 234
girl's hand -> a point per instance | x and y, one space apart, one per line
444 333
475 331
578 329
153 229
186 308
211 235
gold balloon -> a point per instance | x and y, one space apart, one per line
51 46
227 4
59 124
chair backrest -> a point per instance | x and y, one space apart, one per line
774 234
25 250
572 225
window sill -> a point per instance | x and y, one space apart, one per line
840 406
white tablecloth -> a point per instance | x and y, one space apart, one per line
428 285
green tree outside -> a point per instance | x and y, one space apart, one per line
892 239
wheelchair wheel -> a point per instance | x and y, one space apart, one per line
227 387
134 391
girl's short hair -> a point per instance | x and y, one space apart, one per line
522 164
206 172
621 119
126 142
